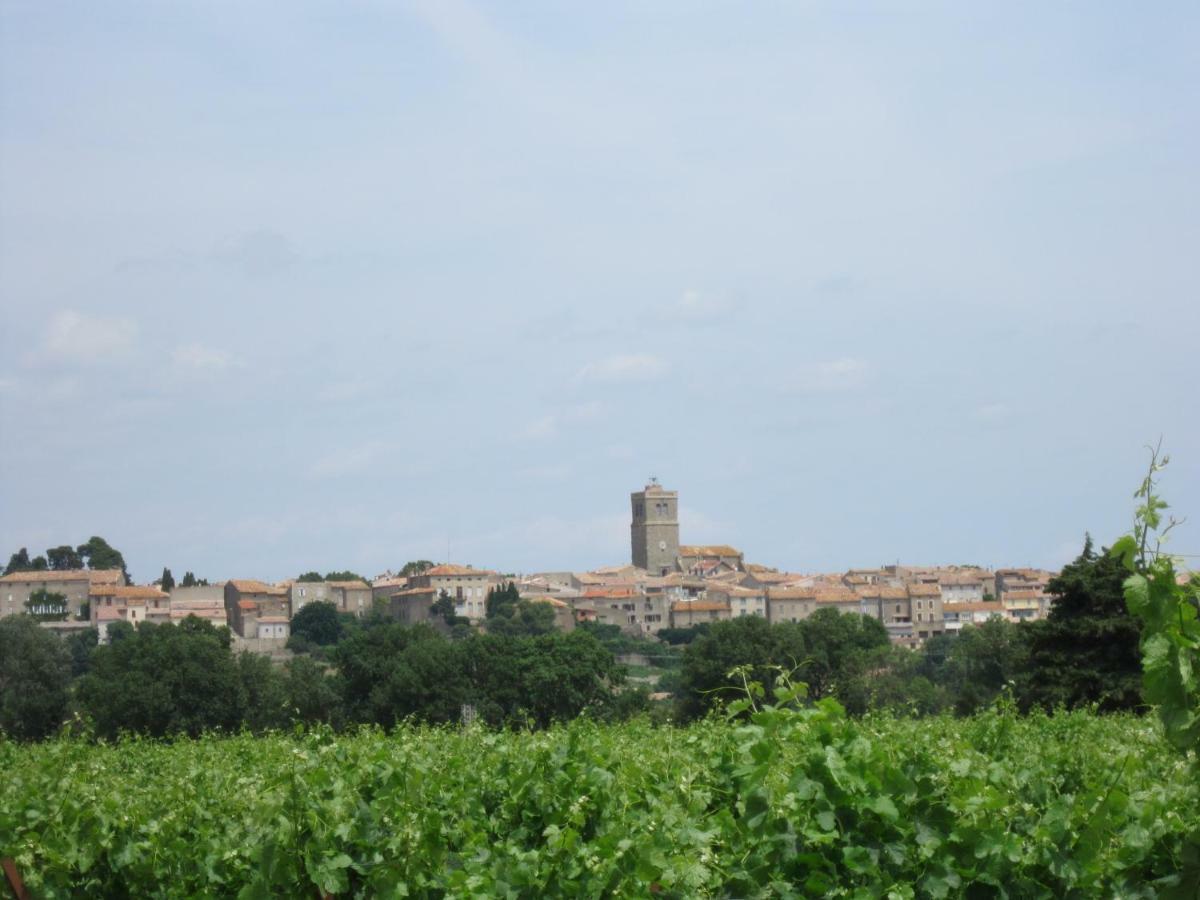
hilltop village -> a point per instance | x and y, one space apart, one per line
666 584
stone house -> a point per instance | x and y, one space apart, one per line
633 611
925 601
356 597
741 601
273 628
247 600
204 602
76 584
790 604
385 586
965 587
411 605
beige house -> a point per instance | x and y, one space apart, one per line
956 615
468 587
1023 605
127 603
75 584
844 600
966 587
686 613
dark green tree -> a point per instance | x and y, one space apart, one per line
174 679
344 575
502 600
539 680
311 694
980 662
20 562
319 623
264 693
1086 650
744 641
80 645
64 557
35 676
48 606
310 577
100 555
167 582
190 580
365 659
686 635
526 619
416 567
839 646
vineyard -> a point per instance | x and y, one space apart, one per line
791 803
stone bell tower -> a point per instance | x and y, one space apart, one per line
654 529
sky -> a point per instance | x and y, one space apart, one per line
338 285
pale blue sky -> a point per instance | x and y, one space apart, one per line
326 285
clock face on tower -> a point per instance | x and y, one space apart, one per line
662 545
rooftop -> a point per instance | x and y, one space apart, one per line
128 591
94 576
251 586
708 550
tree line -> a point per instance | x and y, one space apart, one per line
186 679
166 679
1085 653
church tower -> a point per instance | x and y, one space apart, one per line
655 528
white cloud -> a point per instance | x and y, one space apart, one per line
992 412
540 429
258 254
551 424
549 472
696 306
616 369
77 337
835 375
342 391
345 462
584 412
199 358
